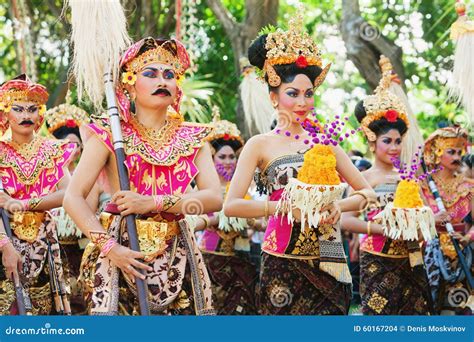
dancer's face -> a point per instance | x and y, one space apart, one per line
76 141
155 86
451 158
388 146
24 117
295 100
226 157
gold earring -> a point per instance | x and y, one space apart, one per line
372 149
275 104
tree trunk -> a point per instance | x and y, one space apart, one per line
259 13
365 43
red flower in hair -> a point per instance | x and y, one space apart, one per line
71 123
226 136
301 62
391 115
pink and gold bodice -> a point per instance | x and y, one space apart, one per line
33 170
281 238
377 243
457 202
159 162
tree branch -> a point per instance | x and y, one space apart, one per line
224 16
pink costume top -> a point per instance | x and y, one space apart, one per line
379 244
457 203
33 170
159 162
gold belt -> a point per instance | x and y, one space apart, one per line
26 224
153 233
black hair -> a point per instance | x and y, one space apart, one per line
63 131
257 54
382 125
217 144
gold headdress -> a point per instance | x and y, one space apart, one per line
442 139
65 115
170 52
292 46
223 129
381 104
21 88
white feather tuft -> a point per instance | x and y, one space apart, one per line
99 36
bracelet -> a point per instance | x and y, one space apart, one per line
265 211
4 240
368 201
108 245
206 220
368 228
169 201
33 203
158 199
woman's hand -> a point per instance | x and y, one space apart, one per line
126 259
334 213
10 204
129 202
11 260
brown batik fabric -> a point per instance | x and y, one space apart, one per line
34 276
389 286
298 287
178 283
233 281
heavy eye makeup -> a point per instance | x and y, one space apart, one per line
292 92
168 74
30 109
230 156
387 141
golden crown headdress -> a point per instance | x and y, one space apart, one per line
224 129
383 103
292 46
65 115
442 139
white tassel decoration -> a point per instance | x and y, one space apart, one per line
309 199
404 223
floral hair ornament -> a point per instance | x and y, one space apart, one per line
406 216
223 129
382 104
67 115
292 46
19 89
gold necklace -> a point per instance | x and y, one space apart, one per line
448 187
27 150
156 137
